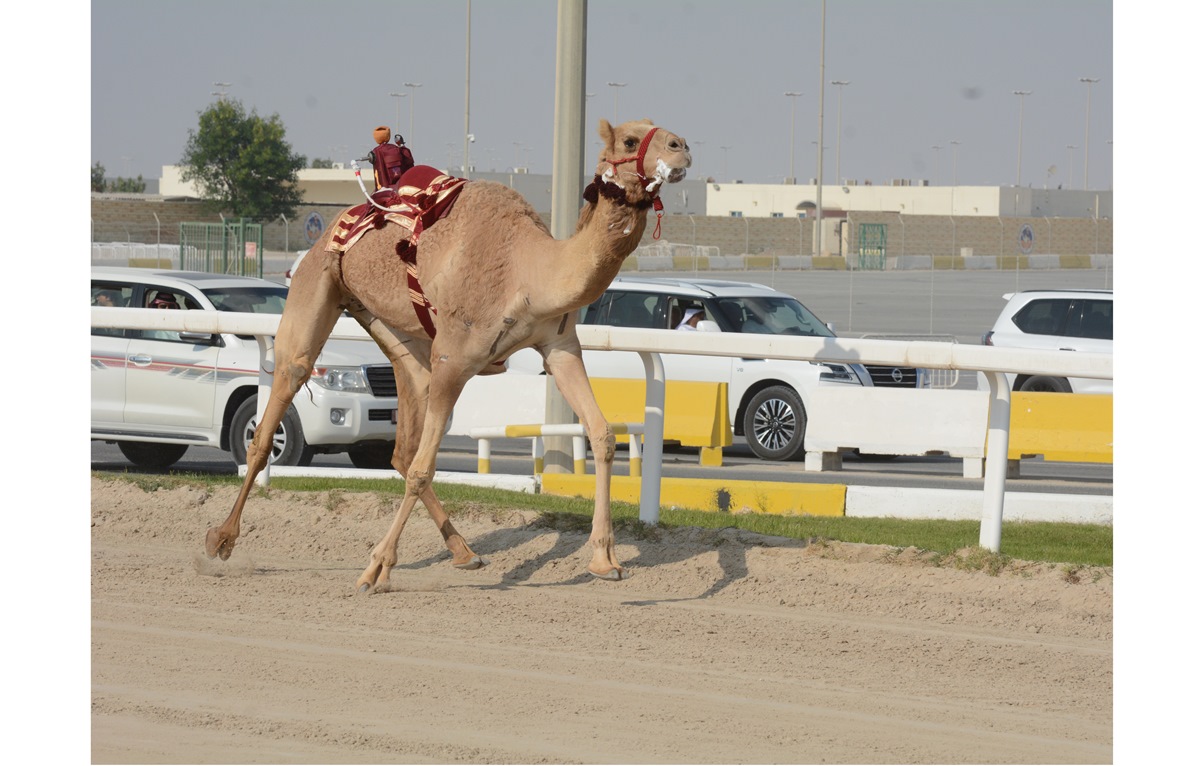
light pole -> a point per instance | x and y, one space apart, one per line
397 96
955 145
936 153
1087 123
221 93
412 107
839 83
1071 165
725 162
792 144
616 86
467 137
1021 94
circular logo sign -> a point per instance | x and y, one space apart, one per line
1025 240
314 227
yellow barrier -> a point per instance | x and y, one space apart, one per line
696 414
1061 427
714 495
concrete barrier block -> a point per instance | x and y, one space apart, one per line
967 505
795 262
884 421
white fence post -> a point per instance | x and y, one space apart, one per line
652 437
995 463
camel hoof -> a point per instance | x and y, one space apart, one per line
614 574
476 562
364 588
213 545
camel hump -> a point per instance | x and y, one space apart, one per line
420 176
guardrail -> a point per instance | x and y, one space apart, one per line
650 344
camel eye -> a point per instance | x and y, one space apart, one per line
630 143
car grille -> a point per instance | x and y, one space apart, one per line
382 380
886 376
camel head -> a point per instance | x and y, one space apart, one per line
640 158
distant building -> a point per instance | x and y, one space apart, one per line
338 186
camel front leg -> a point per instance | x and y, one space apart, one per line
566 365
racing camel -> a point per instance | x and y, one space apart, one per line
449 301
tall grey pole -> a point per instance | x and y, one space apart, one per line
467 106
817 236
1087 124
566 184
1021 94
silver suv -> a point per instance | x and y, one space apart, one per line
1055 320
769 399
157 392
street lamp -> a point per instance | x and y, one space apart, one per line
955 145
398 96
412 107
221 93
725 162
1021 94
792 144
839 83
1087 123
615 86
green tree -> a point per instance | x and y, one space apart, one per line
97 177
320 162
241 163
135 185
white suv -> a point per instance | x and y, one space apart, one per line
156 392
1062 320
769 399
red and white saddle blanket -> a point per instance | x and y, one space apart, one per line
423 196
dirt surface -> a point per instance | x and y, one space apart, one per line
722 646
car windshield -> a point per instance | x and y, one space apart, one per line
771 315
249 300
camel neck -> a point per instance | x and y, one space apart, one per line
581 267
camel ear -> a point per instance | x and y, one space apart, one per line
606 133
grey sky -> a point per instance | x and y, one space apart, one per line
922 73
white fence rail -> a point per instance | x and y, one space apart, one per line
650 344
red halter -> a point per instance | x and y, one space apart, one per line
641 173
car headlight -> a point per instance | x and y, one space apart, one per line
347 379
836 373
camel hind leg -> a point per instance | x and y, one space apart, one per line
308 318
412 391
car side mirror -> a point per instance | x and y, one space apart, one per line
830 326
199 338
707 325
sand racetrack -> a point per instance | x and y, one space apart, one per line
722 647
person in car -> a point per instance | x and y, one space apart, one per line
163 300
105 298
691 318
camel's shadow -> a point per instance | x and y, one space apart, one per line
731 558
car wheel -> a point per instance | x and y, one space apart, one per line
152 455
287 447
774 424
372 455
1046 383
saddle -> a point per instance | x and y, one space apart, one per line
422 197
